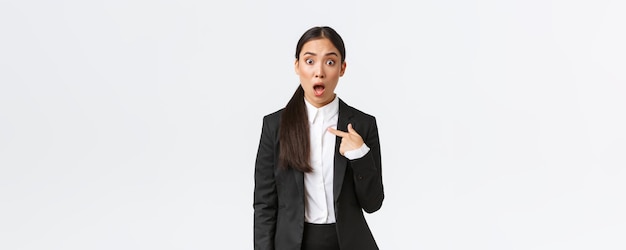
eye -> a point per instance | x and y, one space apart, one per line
330 62
309 61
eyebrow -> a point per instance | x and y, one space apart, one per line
327 54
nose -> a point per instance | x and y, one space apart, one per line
319 71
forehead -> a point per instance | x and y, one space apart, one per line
319 46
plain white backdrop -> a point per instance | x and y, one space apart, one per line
135 124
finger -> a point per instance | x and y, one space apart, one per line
337 132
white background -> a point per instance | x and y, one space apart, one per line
135 124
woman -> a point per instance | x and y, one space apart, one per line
318 164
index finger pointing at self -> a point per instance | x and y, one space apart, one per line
337 132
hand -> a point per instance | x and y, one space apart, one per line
349 140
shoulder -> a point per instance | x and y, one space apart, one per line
274 115
273 119
356 113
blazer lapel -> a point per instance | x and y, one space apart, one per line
341 162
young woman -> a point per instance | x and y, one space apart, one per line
318 164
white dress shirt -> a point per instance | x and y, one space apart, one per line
318 184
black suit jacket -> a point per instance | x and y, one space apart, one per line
279 192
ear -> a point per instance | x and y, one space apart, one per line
296 68
343 68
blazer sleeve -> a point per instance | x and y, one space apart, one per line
265 197
367 171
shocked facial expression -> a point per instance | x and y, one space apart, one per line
319 68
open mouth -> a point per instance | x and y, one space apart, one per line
318 89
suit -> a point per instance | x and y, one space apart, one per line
279 192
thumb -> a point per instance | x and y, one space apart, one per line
350 129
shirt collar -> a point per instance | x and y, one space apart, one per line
328 110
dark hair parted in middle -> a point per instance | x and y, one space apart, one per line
295 148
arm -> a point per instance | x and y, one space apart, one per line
265 197
368 181
367 174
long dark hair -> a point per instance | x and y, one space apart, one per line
295 147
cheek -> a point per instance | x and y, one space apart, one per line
335 73
305 80
305 72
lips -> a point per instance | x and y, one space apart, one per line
318 89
